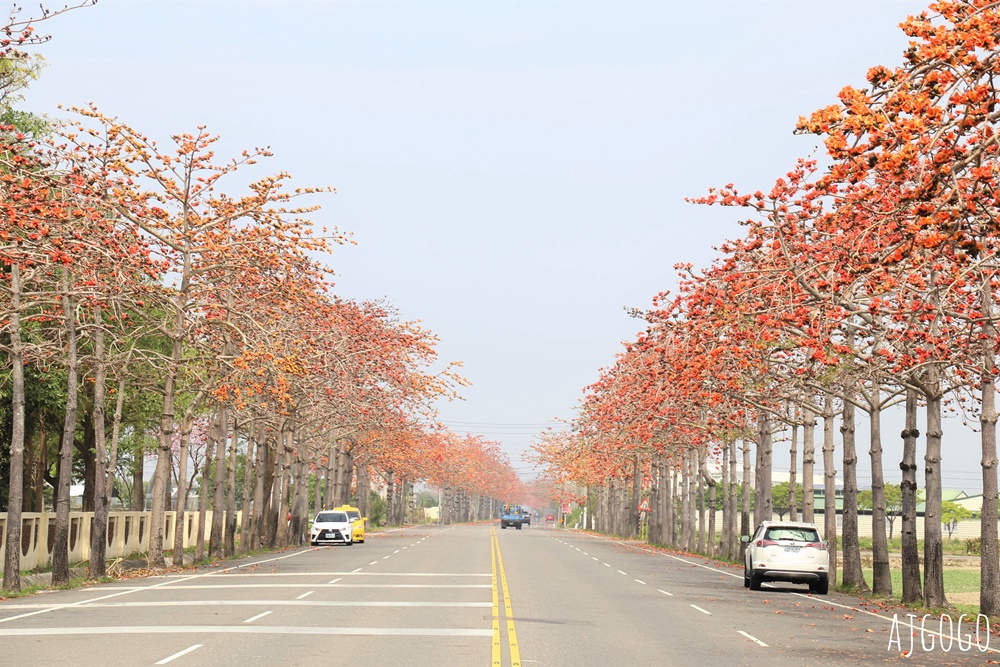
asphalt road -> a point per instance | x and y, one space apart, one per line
466 595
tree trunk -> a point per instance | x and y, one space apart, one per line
249 484
15 498
218 489
60 546
162 472
989 557
116 423
808 464
734 541
636 493
793 453
229 546
763 507
687 543
710 481
829 488
102 497
364 488
745 527
180 522
206 468
670 523
908 528
853 577
933 538
882 574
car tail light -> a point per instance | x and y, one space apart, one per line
767 543
817 545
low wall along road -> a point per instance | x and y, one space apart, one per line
128 533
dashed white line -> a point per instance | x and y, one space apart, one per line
257 617
751 638
242 630
373 562
584 553
357 570
396 551
180 653
640 581
335 580
665 593
384 557
694 606
306 594
595 558
620 572
605 565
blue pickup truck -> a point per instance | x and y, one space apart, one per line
511 517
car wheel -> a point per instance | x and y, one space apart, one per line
746 577
315 544
821 587
519 528
350 543
503 527
755 581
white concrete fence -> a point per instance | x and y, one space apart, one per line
128 533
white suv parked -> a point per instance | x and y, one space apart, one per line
786 551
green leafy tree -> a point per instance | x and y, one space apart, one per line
893 503
780 499
951 514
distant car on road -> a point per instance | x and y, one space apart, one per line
526 517
786 551
549 518
511 517
332 527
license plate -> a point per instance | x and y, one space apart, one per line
793 550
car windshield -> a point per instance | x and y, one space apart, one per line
796 534
331 517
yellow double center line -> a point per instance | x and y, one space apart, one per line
496 560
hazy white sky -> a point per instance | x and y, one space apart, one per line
514 171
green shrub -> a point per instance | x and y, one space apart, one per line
973 545
376 510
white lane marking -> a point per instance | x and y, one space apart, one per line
751 638
384 557
134 589
374 562
577 548
665 593
305 595
270 575
297 602
595 558
179 654
314 585
707 613
620 572
395 552
584 553
335 580
605 565
258 616
242 630
641 581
